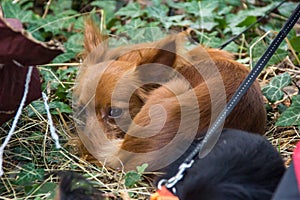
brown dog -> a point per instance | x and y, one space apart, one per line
137 104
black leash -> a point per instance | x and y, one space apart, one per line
250 26
214 131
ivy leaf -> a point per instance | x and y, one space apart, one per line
75 43
64 57
147 34
21 153
201 8
132 10
55 24
108 7
238 19
46 188
204 11
287 8
73 46
291 116
141 169
64 5
133 177
134 24
273 90
159 13
261 47
62 107
12 10
279 55
40 108
29 174
295 42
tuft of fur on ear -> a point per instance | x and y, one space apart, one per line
92 36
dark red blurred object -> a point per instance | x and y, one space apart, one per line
18 50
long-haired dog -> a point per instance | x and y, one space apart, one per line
146 103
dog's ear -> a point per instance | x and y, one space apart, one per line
155 62
161 52
93 39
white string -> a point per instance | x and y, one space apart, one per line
50 121
17 116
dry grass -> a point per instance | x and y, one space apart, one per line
31 144
31 154
283 138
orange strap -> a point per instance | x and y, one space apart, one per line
163 194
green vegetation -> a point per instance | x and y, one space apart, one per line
31 154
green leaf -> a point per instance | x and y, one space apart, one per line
40 108
131 178
232 47
240 19
62 107
75 43
159 13
207 8
67 56
287 8
67 74
61 6
259 49
56 24
248 21
108 7
295 42
291 116
279 55
21 154
148 34
273 90
141 169
192 8
281 107
201 8
13 10
210 39
205 13
132 10
47 188
134 24
29 174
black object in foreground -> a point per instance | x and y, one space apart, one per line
241 166
73 186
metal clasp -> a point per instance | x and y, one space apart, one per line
171 182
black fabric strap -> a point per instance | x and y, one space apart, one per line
213 133
215 130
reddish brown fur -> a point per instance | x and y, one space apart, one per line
249 114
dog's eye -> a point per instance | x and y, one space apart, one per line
115 112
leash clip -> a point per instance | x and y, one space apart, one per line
170 183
